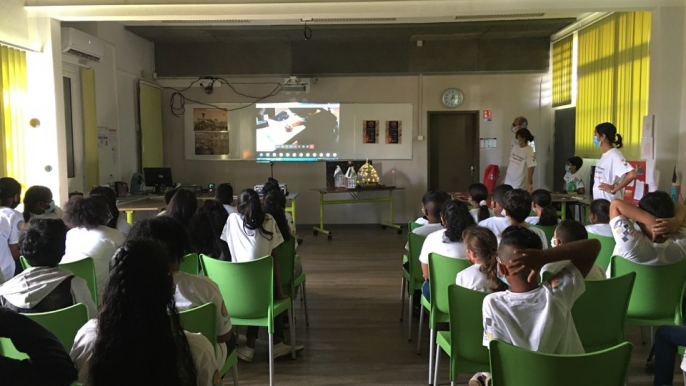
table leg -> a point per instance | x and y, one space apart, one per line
291 209
321 218
129 217
564 210
390 210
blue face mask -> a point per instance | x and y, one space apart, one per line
51 207
515 142
503 279
513 129
568 169
596 141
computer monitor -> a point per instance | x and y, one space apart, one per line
158 177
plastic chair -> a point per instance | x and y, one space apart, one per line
285 254
412 226
190 264
203 319
607 248
412 279
84 268
301 282
248 292
511 365
464 342
442 272
549 231
600 312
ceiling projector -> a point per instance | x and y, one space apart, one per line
295 84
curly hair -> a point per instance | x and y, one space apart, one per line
542 198
183 206
86 212
111 198
457 218
206 228
484 244
42 242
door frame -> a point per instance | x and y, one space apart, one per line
477 154
73 72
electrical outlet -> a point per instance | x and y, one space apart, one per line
420 138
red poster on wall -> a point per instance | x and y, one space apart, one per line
638 187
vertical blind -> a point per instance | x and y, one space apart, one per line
13 83
613 69
562 71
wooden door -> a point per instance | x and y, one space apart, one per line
453 151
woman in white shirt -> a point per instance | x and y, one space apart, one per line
520 170
482 250
11 223
137 338
612 172
38 203
90 237
117 221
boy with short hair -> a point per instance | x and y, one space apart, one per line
224 194
573 181
499 222
567 232
600 218
517 208
432 203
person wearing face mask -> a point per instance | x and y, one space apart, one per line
612 172
566 232
520 170
11 223
38 203
573 181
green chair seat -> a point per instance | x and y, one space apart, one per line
412 226
607 247
285 253
190 264
549 231
412 278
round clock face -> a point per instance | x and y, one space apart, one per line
452 98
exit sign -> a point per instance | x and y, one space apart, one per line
488 115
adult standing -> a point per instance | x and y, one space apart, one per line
612 173
520 170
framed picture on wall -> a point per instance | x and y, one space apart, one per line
207 119
394 132
370 131
210 133
212 143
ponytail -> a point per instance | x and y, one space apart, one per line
543 199
610 132
618 142
484 244
479 193
250 208
526 134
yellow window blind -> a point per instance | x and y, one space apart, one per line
562 71
13 83
613 68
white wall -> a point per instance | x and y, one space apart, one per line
682 122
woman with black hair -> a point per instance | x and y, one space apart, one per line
182 206
90 237
206 228
612 172
11 223
137 338
116 222
38 203
542 204
520 171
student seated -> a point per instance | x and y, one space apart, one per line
650 245
191 290
224 194
168 195
116 222
44 287
38 203
478 194
573 181
137 338
423 220
206 228
517 207
499 222
448 241
89 236
48 364
432 204
481 246
11 223
272 185
182 206
542 204
275 205
600 218
567 232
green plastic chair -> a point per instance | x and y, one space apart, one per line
84 268
657 294
203 319
600 312
413 225
285 253
412 279
442 273
511 365
248 292
464 342
549 231
607 247
301 281
190 264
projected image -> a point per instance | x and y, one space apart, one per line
297 131
211 143
210 120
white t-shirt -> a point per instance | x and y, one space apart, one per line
521 159
496 224
421 221
538 320
438 243
576 178
230 209
635 246
600 229
532 220
425 230
472 278
11 223
99 243
123 226
609 170
596 273
475 213
247 244
201 350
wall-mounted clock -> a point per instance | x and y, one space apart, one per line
452 98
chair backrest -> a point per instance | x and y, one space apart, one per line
549 231
247 288
64 323
607 247
415 242
658 289
442 272
84 268
599 313
412 226
202 319
466 325
190 264
24 264
285 255
511 365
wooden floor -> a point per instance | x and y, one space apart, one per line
355 336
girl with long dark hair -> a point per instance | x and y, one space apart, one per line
612 172
542 204
206 228
183 206
481 247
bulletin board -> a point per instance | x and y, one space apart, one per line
638 187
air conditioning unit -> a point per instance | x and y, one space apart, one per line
83 45
295 84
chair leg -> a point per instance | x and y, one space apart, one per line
271 359
432 343
438 361
409 318
304 296
419 330
235 374
402 298
643 338
291 315
684 374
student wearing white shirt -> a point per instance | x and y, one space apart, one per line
542 204
573 181
517 207
478 194
520 170
224 194
191 290
11 223
567 232
499 222
117 221
38 203
432 204
137 338
481 246
90 237
651 245
600 218
612 172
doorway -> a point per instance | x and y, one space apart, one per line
453 150
73 116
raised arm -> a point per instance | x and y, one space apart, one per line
626 180
582 254
631 211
